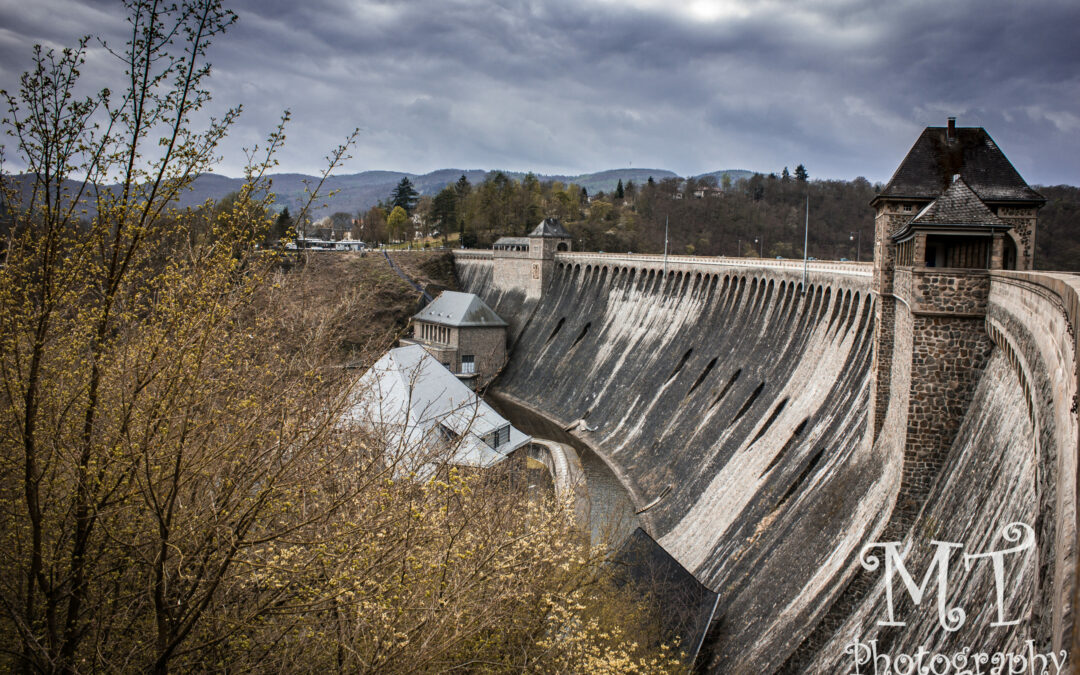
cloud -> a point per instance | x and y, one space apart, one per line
843 86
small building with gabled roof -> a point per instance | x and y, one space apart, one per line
928 171
956 230
550 228
526 263
426 417
463 334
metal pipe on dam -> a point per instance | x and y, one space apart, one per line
737 407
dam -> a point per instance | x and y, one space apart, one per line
770 419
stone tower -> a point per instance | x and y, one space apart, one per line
547 239
954 210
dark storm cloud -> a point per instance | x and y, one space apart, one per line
843 86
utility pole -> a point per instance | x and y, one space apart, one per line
665 245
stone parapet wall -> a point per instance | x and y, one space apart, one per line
710 264
508 253
474 253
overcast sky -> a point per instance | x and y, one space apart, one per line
574 86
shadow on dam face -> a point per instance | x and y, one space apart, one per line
736 407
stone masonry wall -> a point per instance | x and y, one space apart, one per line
884 325
948 356
487 345
947 350
511 272
1023 220
952 291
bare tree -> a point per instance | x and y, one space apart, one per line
177 490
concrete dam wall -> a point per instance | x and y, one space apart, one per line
736 410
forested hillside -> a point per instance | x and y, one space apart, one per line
758 216
722 213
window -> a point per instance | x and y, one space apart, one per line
468 363
498 437
907 208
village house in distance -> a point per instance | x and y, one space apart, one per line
463 334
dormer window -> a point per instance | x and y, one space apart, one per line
498 437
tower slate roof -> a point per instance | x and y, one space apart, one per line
452 308
929 166
550 227
958 207
512 241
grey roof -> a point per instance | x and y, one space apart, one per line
958 207
415 404
929 166
452 308
512 241
550 227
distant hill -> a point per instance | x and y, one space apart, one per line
735 174
360 191
607 180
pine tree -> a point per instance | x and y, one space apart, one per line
404 195
444 209
463 187
786 175
282 227
800 173
620 193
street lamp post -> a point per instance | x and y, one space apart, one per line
856 236
806 243
760 241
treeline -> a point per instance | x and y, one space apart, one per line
764 215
